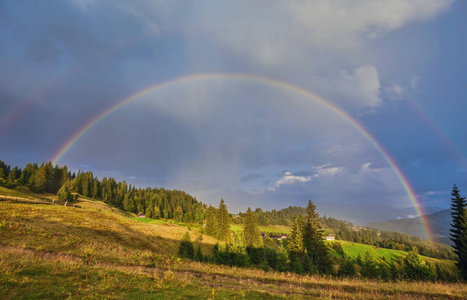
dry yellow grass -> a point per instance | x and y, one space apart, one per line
99 235
45 242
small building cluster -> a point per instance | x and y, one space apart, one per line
330 237
278 237
281 237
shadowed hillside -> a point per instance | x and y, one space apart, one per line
439 223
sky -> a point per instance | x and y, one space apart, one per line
262 103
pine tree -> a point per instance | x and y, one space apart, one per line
251 231
199 254
186 249
281 264
347 269
12 177
313 241
223 222
4 171
2 176
369 268
295 245
459 230
211 221
64 193
95 188
414 267
157 212
461 262
128 204
40 179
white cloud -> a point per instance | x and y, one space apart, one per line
430 193
289 178
366 169
345 20
322 171
362 86
268 31
328 171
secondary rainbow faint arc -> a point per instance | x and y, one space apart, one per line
267 81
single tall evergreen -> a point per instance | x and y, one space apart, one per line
295 245
295 241
314 243
251 231
223 222
211 221
459 230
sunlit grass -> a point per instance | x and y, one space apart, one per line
353 249
59 252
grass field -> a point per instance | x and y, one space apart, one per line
353 249
52 251
23 192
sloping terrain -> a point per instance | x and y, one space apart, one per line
439 223
52 251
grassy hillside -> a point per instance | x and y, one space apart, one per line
353 249
22 192
53 251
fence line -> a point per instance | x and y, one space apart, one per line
36 201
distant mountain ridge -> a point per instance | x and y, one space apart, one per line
367 213
439 223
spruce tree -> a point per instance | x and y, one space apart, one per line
369 267
12 177
186 249
295 242
295 245
251 231
95 188
2 176
461 262
459 230
313 241
414 267
223 222
281 264
211 221
199 254
64 193
347 268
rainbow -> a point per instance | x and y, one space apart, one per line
261 80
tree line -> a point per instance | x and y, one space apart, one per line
154 202
347 231
306 252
